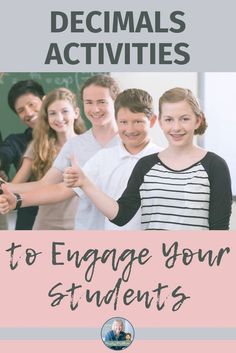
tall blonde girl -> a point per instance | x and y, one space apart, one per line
59 120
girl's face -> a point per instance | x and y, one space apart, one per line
178 122
61 116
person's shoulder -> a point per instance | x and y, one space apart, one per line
112 151
76 140
18 135
81 139
153 147
85 135
149 159
123 335
145 163
109 335
214 159
108 154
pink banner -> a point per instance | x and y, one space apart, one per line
136 347
153 279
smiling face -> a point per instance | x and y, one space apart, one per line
27 108
178 122
117 327
98 105
61 116
134 129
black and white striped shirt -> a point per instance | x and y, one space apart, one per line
197 198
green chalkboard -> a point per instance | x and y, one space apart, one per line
49 80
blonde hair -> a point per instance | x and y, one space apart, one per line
178 94
45 138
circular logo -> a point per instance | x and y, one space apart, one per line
117 333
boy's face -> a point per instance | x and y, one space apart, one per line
27 107
98 105
134 129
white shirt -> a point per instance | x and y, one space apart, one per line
110 170
83 147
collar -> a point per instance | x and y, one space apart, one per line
123 153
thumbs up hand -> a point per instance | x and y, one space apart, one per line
7 200
73 176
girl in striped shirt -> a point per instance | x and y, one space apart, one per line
182 187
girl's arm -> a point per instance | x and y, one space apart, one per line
53 176
20 184
220 194
47 194
24 173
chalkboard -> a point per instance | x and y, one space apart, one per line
49 80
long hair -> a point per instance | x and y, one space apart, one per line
178 94
45 138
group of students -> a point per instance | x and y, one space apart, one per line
78 176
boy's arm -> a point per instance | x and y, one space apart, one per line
8 154
75 177
107 205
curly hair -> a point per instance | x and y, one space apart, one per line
45 138
178 94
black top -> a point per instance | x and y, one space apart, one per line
11 152
12 149
198 197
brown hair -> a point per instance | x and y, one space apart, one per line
102 80
136 100
178 94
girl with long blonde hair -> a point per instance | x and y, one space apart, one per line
59 119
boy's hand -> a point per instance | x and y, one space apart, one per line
73 176
7 200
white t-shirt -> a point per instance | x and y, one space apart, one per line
83 147
110 170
